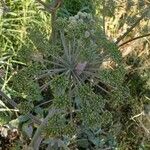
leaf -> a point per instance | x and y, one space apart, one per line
95 141
2 59
18 121
85 8
27 129
84 143
47 141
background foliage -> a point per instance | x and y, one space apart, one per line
88 88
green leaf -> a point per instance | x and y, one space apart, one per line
27 128
16 122
83 143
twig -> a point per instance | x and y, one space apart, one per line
142 113
15 105
57 4
10 101
133 26
44 103
138 37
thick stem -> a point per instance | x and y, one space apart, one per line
37 134
56 5
52 9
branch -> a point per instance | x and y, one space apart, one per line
138 37
133 26
48 7
15 105
57 4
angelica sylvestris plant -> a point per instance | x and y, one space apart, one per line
84 71
75 70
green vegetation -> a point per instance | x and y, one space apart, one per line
75 75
